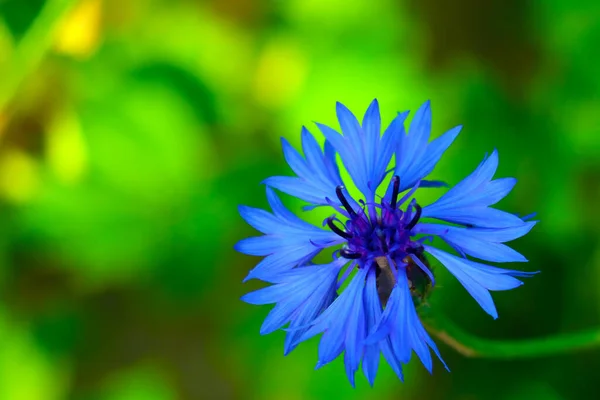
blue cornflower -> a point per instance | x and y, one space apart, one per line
383 241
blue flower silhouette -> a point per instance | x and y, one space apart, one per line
379 241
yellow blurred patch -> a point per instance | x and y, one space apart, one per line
19 176
66 150
79 33
280 73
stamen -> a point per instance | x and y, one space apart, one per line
364 205
396 182
415 219
410 193
416 250
344 201
381 235
337 230
349 255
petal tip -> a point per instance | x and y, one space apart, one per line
341 107
239 248
284 142
289 347
305 133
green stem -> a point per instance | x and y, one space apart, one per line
472 346
33 46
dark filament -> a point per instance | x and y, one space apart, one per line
415 219
381 236
418 251
349 255
337 230
396 181
361 230
340 195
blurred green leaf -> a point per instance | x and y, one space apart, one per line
26 372
19 15
31 49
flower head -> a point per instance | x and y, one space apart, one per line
384 252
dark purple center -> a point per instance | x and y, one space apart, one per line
383 230
380 237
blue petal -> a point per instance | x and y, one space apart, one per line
373 311
482 174
390 357
434 152
488 251
330 161
300 295
333 137
410 323
303 293
422 333
353 151
288 285
494 192
259 219
372 130
332 342
482 243
288 241
415 158
480 216
280 210
355 335
412 145
364 152
477 278
282 260
315 158
355 158
334 322
258 246
307 314
294 159
277 318
349 124
317 177
268 295
298 188
387 146
339 321
398 335
402 325
511 272
529 217
468 202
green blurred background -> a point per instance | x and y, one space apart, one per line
131 130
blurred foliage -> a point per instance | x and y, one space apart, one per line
130 131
